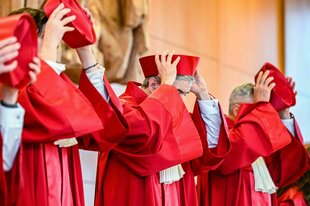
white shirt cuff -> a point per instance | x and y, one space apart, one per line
209 106
95 76
57 67
211 115
11 117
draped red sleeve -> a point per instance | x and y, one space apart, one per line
55 109
161 134
212 157
110 113
287 165
257 131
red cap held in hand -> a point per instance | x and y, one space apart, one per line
23 27
84 33
186 66
282 95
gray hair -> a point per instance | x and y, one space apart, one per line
186 78
241 94
145 83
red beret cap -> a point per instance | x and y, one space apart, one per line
282 95
84 33
186 66
23 27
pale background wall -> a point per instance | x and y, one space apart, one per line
297 57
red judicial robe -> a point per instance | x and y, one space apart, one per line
212 157
210 160
43 173
161 134
257 131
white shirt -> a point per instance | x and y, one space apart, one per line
289 124
210 113
11 126
95 76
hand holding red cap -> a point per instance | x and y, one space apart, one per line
23 27
83 33
282 95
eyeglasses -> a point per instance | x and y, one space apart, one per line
182 93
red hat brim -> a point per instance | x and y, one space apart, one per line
84 33
282 95
23 27
186 66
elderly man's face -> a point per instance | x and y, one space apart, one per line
183 87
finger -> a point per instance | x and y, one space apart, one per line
259 77
33 77
62 13
8 57
37 61
289 79
157 61
169 58
264 77
8 67
271 86
294 86
269 80
89 15
10 48
87 12
8 41
68 19
35 68
54 13
176 61
163 56
68 29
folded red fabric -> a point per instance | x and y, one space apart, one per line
186 66
282 95
84 33
23 27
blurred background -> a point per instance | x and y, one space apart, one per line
233 38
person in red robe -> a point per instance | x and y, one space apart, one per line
47 170
296 194
140 164
11 113
261 157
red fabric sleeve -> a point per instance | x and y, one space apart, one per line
287 165
212 157
55 109
161 133
110 114
257 131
